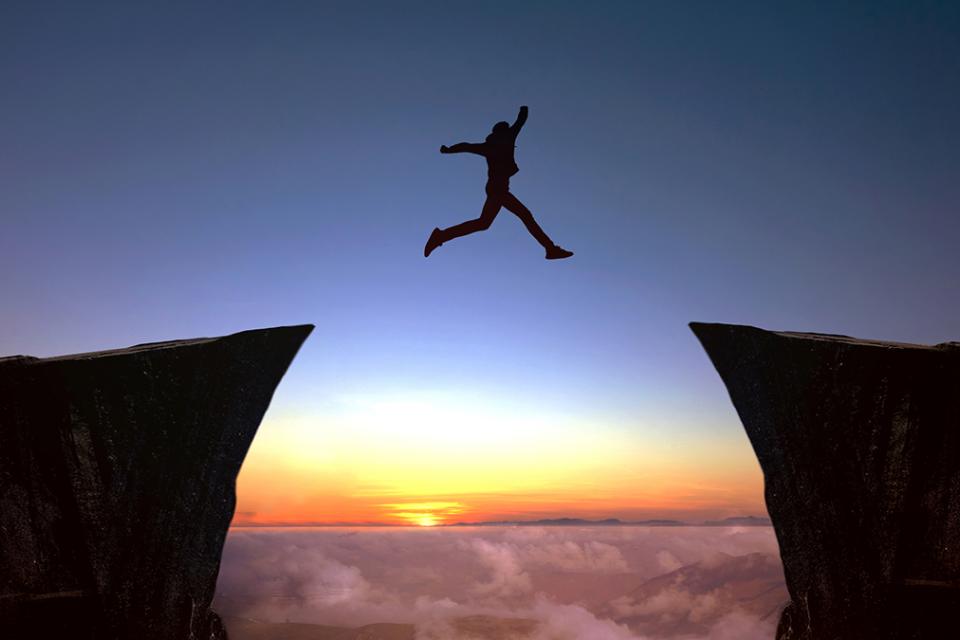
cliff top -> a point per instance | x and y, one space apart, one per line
701 328
148 346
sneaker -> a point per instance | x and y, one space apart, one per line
557 253
432 243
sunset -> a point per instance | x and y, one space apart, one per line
424 461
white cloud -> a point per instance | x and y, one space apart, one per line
587 557
667 561
570 622
568 583
506 576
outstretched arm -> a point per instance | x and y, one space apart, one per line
521 118
461 147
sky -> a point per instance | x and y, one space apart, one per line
172 170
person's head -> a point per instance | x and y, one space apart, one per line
501 128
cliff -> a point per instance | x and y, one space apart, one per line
859 442
117 476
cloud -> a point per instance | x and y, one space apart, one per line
739 625
587 557
571 622
526 583
667 561
669 604
506 576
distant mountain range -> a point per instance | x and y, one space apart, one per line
738 521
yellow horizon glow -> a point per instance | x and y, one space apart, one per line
426 461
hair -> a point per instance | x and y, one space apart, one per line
501 127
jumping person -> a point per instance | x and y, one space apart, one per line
498 150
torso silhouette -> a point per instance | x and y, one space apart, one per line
498 150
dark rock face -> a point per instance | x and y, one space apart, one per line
117 482
859 442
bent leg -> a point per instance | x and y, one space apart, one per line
490 210
516 207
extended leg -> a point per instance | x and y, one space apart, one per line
516 207
554 252
490 210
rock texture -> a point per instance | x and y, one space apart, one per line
859 442
117 476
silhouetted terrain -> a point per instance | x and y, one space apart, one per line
860 451
739 521
117 475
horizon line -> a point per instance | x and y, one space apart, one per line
562 521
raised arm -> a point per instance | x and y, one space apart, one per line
463 147
521 118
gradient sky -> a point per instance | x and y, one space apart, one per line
186 169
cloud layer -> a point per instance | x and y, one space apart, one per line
559 583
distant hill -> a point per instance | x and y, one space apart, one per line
572 522
738 521
554 522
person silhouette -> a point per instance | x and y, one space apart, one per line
498 150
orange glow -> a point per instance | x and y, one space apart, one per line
405 465
422 514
